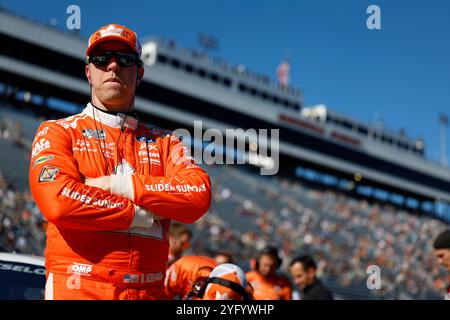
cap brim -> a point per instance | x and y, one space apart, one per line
108 38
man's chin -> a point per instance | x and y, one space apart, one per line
113 95
116 101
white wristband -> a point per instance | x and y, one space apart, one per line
142 218
122 185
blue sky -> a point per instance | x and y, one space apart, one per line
399 75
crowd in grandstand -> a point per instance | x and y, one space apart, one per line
248 213
346 235
10 130
22 226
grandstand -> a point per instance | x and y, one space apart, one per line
343 228
348 233
17 133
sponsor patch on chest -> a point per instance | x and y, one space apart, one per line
96 134
145 139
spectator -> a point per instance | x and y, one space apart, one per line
303 271
442 251
350 232
223 257
227 282
179 240
182 274
267 284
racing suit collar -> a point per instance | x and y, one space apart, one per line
112 120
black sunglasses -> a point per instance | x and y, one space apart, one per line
123 59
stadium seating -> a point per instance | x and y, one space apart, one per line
249 211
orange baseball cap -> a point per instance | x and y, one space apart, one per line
114 32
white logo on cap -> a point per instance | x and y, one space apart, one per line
111 30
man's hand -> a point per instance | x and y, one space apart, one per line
143 218
103 182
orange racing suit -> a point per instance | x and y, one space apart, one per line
183 273
95 247
275 288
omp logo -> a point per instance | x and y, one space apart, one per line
40 146
80 268
76 270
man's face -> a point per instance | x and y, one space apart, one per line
222 258
180 244
267 265
443 256
302 277
113 85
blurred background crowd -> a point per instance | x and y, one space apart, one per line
249 212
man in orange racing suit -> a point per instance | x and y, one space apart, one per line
266 282
183 273
110 186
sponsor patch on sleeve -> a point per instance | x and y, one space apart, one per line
40 146
43 159
48 173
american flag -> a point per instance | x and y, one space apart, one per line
131 278
283 73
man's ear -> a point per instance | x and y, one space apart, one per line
88 76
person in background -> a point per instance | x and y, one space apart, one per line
442 252
226 281
182 274
223 257
180 241
266 283
303 271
